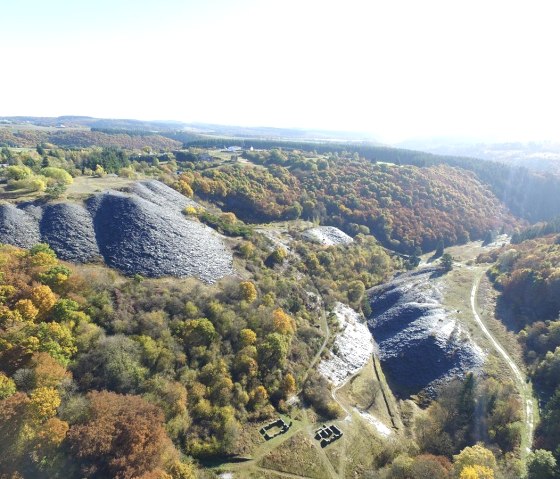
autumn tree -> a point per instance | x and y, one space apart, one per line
247 337
283 322
43 298
288 385
248 291
7 386
476 472
122 437
44 403
476 455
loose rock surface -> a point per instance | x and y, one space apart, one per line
17 227
420 344
139 232
68 229
160 194
327 236
352 347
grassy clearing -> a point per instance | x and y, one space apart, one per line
362 450
251 443
366 393
87 185
298 456
18 196
81 188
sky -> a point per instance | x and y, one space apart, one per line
399 70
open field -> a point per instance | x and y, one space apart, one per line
81 188
87 185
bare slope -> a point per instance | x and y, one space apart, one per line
140 232
420 344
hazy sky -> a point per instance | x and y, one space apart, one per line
398 69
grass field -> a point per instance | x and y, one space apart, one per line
81 188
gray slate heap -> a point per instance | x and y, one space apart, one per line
420 344
141 231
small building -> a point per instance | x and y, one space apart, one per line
327 435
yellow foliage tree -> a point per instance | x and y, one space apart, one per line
43 298
248 291
247 337
246 249
185 188
288 385
44 403
42 258
182 470
27 309
190 211
7 386
50 435
476 472
229 218
476 455
258 396
283 323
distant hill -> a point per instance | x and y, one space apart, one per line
22 137
538 156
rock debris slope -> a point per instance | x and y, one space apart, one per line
327 236
158 193
68 229
18 227
137 236
352 348
141 231
420 344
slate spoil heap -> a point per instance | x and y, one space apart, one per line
420 344
141 231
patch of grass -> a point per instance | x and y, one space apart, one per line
362 450
87 185
335 455
296 456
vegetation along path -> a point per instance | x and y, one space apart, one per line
524 388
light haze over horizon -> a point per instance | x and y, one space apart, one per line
399 70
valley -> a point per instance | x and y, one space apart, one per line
353 308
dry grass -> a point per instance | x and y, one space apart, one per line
87 185
298 456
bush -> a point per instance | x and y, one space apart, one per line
57 174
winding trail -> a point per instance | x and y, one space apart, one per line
524 388
325 328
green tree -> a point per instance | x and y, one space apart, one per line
273 351
439 248
541 465
447 262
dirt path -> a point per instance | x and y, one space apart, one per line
325 328
524 388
